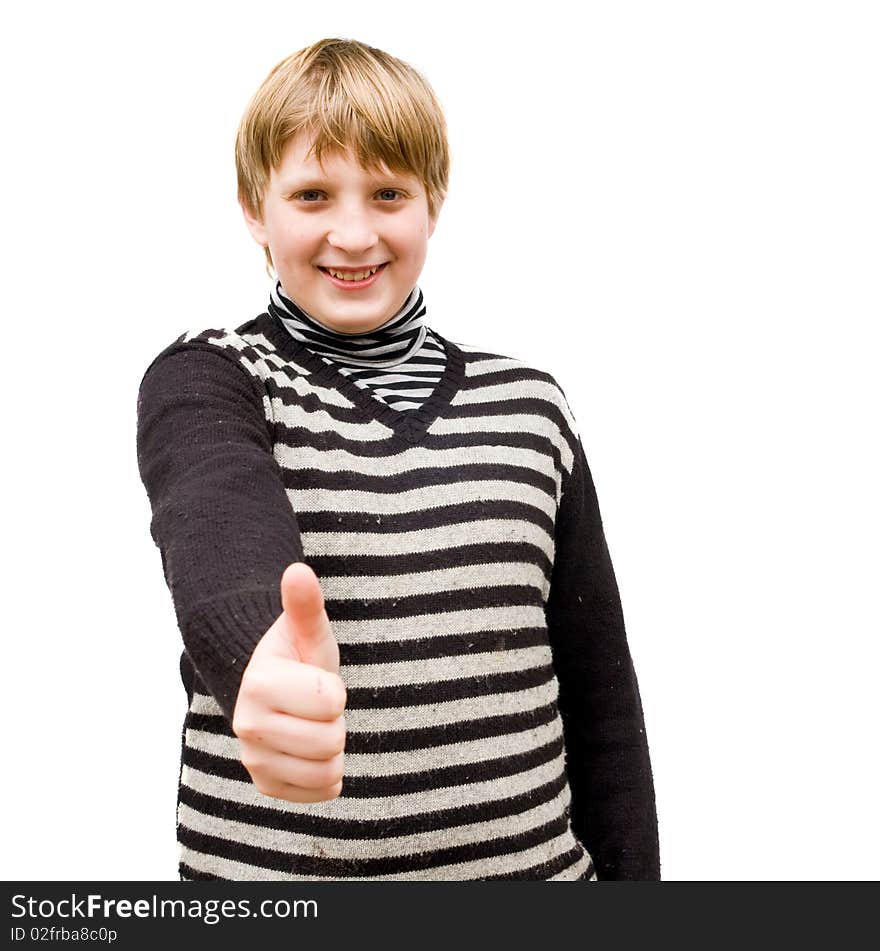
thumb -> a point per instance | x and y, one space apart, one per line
306 619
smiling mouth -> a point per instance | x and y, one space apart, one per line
350 274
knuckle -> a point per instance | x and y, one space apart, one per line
254 684
337 694
262 786
336 769
328 773
252 764
244 727
338 736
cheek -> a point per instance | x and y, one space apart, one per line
412 241
295 245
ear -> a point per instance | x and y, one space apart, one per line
432 222
255 226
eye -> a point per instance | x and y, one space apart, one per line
309 195
392 192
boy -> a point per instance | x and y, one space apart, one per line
440 688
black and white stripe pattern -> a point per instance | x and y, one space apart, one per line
400 362
434 548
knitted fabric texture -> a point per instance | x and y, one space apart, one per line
495 728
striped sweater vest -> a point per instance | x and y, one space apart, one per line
432 532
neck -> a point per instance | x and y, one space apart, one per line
388 345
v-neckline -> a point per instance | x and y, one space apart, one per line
408 426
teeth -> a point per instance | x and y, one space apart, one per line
352 275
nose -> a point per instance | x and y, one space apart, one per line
353 231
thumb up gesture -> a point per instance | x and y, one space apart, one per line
288 715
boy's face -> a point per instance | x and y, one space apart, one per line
338 216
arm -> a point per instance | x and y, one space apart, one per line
221 518
609 769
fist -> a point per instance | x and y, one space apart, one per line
288 715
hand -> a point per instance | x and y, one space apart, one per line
288 715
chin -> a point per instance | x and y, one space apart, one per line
351 323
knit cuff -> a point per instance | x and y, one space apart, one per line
220 636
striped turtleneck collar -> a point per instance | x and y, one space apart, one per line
395 342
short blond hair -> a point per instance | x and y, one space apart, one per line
349 97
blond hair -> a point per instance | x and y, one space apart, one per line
348 97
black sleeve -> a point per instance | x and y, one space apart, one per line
221 518
609 770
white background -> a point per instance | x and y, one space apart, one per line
672 207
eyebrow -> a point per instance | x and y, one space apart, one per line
315 181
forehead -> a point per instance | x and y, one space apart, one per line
298 160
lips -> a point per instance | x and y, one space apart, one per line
351 278
352 274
